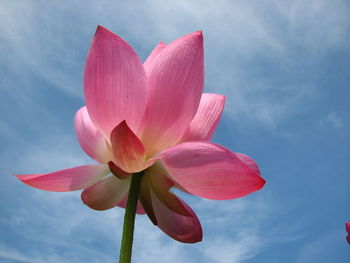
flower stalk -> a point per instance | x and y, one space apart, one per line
129 219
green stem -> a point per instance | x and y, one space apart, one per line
129 219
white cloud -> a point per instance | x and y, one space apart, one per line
13 254
237 34
269 104
68 231
318 248
52 45
332 119
72 228
318 25
60 222
238 250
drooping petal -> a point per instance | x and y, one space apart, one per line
156 177
211 171
66 180
174 88
148 65
139 208
128 150
171 201
90 139
146 199
186 229
114 83
204 123
106 193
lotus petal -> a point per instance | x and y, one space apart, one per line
114 83
211 171
66 180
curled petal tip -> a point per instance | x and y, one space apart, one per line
262 182
106 33
198 35
102 31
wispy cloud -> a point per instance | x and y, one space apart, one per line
233 251
80 233
257 53
237 34
7 253
333 119
318 247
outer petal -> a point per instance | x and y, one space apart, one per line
106 193
114 82
182 228
211 171
157 178
148 65
66 180
204 123
248 161
90 139
175 85
347 227
146 199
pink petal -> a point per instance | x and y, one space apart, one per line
248 161
106 193
148 65
204 123
90 139
186 229
146 199
347 227
156 178
114 82
66 180
211 171
175 85
117 171
171 201
139 208
128 150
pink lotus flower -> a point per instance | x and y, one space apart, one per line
151 117
347 227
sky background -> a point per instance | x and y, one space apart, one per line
284 67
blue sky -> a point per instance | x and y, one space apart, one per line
284 67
